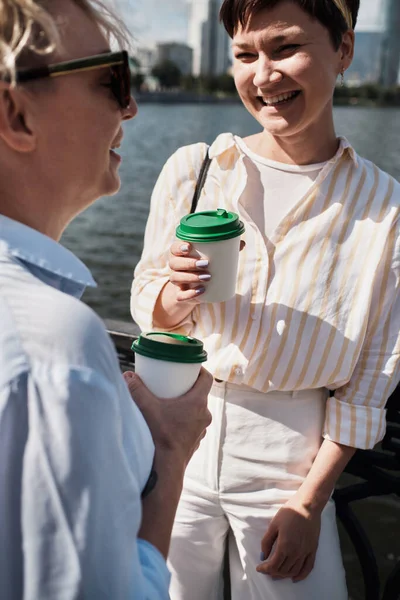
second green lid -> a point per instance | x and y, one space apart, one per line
171 347
210 226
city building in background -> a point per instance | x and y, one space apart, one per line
208 38
365 67
180 54
376 58
198 16
147 58
390 56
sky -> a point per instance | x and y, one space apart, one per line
153 21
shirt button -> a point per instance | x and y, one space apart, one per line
253 316
238 371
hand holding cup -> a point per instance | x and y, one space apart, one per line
188 271
176 424
204 263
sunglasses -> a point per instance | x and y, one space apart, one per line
118 62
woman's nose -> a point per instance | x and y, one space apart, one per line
266 74
131 111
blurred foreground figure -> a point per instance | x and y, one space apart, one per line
76 453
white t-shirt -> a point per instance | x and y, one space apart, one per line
273 188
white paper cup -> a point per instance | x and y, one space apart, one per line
168 364
215 235
166 379
224 261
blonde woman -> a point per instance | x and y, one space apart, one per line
80 515
307 352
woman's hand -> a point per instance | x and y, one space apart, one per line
294 531
291 541
177 425
188 271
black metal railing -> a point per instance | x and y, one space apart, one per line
377 472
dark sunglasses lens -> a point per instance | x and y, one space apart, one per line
121 84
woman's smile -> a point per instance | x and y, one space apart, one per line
280 100
115 156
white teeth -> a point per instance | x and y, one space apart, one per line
278 99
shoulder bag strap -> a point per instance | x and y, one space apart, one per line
200 181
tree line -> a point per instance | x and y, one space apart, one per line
170 77
368 94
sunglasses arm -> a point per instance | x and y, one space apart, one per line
32 74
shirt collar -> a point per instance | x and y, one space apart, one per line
223 142
345 146
226 141
39 250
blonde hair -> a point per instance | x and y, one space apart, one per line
346 12
28 31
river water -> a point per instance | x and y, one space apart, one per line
108 237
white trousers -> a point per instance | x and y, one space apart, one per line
256 454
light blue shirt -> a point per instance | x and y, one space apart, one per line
75 451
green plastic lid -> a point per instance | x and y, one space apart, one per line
170 346
210 226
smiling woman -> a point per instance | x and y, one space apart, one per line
306 353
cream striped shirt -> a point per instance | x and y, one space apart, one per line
317 304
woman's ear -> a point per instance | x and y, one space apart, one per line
347 49
14 118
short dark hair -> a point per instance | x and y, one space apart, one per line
235 13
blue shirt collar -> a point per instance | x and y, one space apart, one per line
45 255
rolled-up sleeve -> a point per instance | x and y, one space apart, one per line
170 200
356 414
81 505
